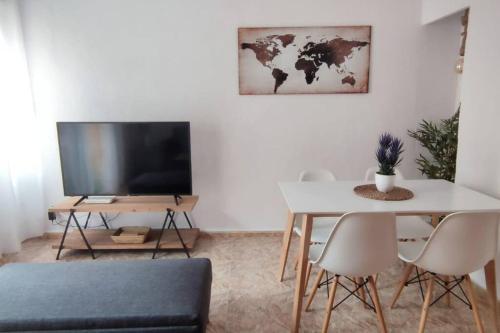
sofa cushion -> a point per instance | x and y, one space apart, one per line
106 295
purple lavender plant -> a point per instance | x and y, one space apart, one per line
389 154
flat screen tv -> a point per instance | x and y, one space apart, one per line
125 158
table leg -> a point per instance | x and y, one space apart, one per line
490 275
287 237
435 220
301 272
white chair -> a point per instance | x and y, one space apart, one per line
322 226
360 246
407 227
462 243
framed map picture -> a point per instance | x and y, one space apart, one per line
305 60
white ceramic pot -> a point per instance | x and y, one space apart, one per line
384 183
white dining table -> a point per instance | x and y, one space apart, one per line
433 198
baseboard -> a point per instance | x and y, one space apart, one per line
52 235
243 233
58 234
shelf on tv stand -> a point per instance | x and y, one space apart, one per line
100 239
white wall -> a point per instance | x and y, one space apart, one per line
478 162
438 51
177 60
433 10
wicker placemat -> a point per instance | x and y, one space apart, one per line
370 191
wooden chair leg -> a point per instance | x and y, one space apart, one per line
329 305
376 300
473 301
308 274
315 288
402 283
287 238
427 303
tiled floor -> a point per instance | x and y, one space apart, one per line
247 297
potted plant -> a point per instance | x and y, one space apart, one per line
441 141
388 157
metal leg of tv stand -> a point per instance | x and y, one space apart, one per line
188 221
170 215
185 216
161 234
61 245
104 220
64 236
87 221
172 219
180 239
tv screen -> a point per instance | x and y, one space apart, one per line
125 158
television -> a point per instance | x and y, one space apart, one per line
125 158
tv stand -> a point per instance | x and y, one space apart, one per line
168 237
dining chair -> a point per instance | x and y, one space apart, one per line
462 243
359 246
322 225
408 228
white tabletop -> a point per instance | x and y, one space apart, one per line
430 196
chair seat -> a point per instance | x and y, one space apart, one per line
412 227
321 229
409 251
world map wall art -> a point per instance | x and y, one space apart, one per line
305 60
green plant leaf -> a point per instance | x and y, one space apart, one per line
441 141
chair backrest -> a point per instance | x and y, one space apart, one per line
316 176
462 243
361 244
321 175
370 174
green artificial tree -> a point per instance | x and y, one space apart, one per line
440 140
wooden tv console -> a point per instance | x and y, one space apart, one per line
166 238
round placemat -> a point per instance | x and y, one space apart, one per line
370 191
